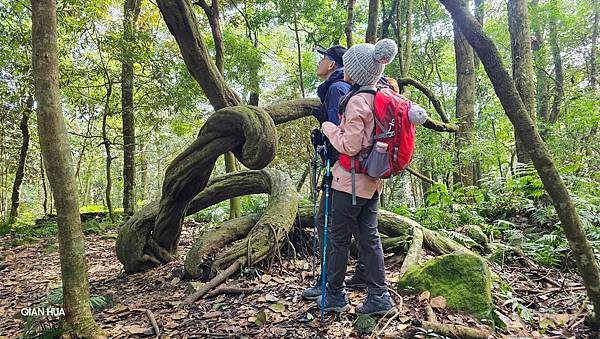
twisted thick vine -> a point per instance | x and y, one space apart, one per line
248 132
151 236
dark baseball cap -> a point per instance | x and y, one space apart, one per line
335 53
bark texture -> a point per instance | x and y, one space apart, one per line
59 166
349 22
517 113
539 52
465 103
371 35
522 62
131 10
559 92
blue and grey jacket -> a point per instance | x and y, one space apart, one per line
331 93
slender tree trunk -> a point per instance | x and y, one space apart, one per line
407 55
212 14
254 80
371 36
465 103
541 61
131 11
398 34
3 176
519 116
106 142
479 15
59 164
522 63
349 22
593 58
299 53
24 126
43 175
389 18
558 67
143 173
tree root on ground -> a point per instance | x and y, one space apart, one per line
259 241
398 228
454 331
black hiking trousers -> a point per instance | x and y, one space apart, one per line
360 268
359 220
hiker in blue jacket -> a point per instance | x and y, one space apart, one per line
331 92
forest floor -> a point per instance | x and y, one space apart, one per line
543 302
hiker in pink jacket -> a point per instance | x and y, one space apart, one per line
364 65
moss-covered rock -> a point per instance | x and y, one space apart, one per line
364 324
476 233
463 279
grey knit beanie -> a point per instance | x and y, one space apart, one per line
365 62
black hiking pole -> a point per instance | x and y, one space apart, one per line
315 143
327 184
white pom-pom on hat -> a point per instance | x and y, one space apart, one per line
385 51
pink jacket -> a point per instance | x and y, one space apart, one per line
354 134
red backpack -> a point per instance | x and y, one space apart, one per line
392 128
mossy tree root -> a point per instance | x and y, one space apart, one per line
265 233
398 228
414 252
455 331
213 240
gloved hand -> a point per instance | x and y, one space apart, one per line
316 137
318 114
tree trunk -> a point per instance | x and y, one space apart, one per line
131 11
593 58
519 116
349 22
389 19
299 53
541 61
479 15
371 36
558 67
14 207
522 63
143 172
59 165
212 14
106 142
3 179
407 55
42 173
465 104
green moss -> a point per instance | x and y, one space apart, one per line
364 324
474 232
463 279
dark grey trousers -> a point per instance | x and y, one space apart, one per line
359 220
360 269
